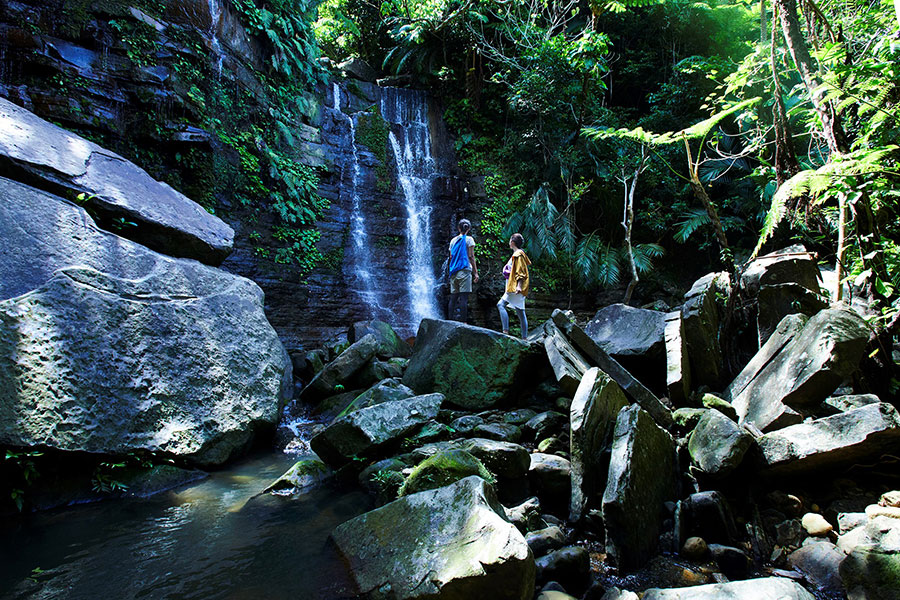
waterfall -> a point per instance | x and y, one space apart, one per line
215 17
416 172
362 280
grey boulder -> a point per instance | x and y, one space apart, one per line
474 368
341 369
452 542
700 315
718 445
362 432
58 160
108 347
767 588
622 330
389 343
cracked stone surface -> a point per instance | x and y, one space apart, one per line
59 161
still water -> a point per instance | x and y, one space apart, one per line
211 539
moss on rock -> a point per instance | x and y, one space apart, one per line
443 469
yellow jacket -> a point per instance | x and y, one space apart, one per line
519 272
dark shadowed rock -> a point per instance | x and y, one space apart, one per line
570 567
303 475
718 444
641 479
550 476
363 431
820 562
452 542
57 160
567 364
700 315
838 440
708 515
357 68
474 368
798 370
779 301
545 424
545 540
389 343
341 369
622 330
592 418
108 347
769 588
383 391
790 265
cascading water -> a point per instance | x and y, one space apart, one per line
215 17
416 172
360 258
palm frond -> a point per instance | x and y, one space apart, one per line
691 220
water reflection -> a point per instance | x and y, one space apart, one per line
215 539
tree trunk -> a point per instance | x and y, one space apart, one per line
700 193
841 247
786 164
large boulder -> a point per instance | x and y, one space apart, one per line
700 314
389 343
718 445
108 347
768 588
474 368
783 299
592 417
793 264
567 364
798 371
452 543
443 468
362 432
57 160
838 440
872 569
383 391
641 479
340 370
622 330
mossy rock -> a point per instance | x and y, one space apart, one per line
303 475
443 469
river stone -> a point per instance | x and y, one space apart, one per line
700 315
452 543
838 440
793 264
778 301
633 388
108 347
641 479
592 418
443 468
569 566
546 424
58 160
502 432
341 369
303 475
622 330
820 562
364 431
816 525
871 573
802 372
767 588
678 370
474 368
389 343
568 365
504 459
708 515
383 391
550 476
849 402
545 540
718 445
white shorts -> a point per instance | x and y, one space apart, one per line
515 300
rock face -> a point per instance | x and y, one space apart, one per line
364 430
452 543
781 300
474 368
108 347
641 478
700 316
833 441
340 370
798 371
769 588
622 330
717 444
592 417
55 159
678 369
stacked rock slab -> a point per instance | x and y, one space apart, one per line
389 343
641 479
678 369
341 369
838 440
362 431
474 368
568 365
592 417
452 542
700 316
799 371
623 330
108 347
57 160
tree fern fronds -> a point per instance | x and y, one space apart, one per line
644 255
691 220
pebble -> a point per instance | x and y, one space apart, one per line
816 525
890 499
695 548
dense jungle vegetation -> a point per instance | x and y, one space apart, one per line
613 132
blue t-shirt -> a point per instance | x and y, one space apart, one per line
459 254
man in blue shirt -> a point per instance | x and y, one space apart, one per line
463 271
